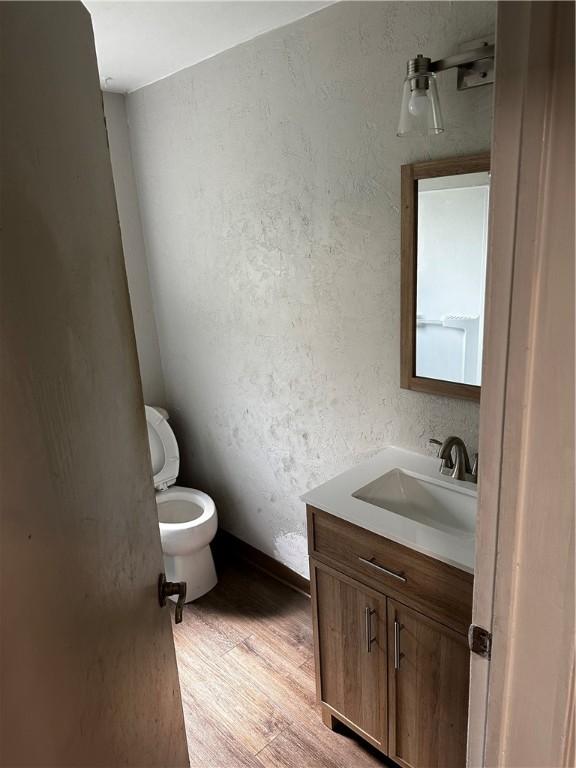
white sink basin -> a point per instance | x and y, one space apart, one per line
427 501
401 495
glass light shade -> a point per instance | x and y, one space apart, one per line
420 113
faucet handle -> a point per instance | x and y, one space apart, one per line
446 463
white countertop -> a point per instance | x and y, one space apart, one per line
335 497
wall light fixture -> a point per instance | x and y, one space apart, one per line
420 113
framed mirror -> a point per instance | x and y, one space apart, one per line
444 252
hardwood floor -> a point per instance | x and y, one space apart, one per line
246 667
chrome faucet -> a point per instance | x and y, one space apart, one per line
454 457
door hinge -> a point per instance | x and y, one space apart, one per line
480 641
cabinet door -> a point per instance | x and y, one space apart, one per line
428 668
350 630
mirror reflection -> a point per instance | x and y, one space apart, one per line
452 231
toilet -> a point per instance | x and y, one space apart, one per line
187 518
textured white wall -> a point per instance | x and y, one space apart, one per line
269 184
134 251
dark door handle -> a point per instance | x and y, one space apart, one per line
167 589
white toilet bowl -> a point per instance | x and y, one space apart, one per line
187 518
188 523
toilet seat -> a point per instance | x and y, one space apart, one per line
192 496
163 449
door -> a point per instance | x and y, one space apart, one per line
351 635
522 698
428 691
87 662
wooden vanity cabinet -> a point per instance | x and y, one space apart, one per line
393 672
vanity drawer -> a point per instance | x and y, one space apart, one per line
438 589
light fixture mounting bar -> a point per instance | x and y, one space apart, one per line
474 62
463 58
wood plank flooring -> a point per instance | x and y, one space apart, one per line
246 667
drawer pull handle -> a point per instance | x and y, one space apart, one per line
369 639
399 576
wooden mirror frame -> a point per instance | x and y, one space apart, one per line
411 173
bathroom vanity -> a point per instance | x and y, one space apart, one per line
391 546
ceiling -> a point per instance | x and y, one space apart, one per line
140 42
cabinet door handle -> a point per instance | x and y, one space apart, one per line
368 617
396 644
399 576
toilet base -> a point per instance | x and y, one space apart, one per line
196 569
